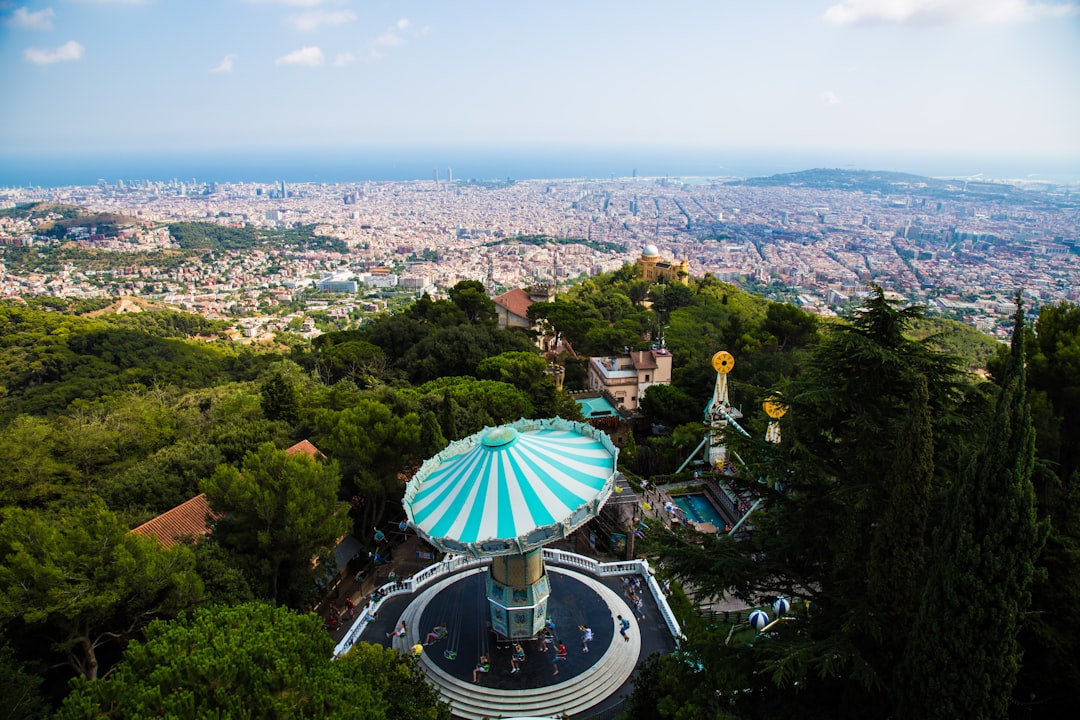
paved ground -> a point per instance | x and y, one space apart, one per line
463 607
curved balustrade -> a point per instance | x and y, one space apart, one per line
455 563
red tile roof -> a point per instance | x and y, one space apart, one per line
643 360
305 448
516 301
187 520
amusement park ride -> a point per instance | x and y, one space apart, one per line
503 494
720 414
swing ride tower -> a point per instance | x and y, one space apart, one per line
506 492
719 413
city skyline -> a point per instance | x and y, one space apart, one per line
836 80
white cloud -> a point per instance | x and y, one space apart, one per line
113 2
343 59
395 36
70 50
389 39
309 56
830 98
26 18
226 64
314 19
925 13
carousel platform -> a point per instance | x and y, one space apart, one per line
592 684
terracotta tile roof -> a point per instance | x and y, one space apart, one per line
187 520
306 448
516 301
643 360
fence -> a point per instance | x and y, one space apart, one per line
456 563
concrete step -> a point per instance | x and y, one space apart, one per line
474 701
574 695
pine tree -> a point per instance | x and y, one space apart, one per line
963 655
854 480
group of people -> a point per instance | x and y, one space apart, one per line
547 637
632 586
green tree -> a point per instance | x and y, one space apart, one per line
963 656
82 580
471 296
254 661
20 692
858 407
374 444
32 473
789 325
480 403
1054 371
279 395
522 369
281 511
668 405
431 437
896 570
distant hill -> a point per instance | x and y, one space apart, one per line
99 220
27 211
953 336
886 183
210 236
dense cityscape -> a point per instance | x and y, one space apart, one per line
812 238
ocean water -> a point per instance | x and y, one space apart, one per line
323 165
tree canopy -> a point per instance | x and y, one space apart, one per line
278 664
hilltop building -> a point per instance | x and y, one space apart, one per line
626 377
654 269
512 307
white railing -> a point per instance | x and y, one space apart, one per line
455 563
623 567
448 566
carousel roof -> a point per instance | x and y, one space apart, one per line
512 488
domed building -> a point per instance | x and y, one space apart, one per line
653 268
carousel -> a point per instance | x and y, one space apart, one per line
506 492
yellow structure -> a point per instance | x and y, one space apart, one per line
653 268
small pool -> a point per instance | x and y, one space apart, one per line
700 509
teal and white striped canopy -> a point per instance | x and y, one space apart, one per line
512 488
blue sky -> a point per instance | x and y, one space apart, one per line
958 77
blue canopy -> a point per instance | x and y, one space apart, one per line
512 488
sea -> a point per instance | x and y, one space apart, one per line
487 164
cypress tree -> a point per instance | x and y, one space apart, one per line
963 655
432 439
896 570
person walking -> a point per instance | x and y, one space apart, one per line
624 628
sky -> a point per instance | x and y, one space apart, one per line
950 77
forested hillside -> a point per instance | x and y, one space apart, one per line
110 420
